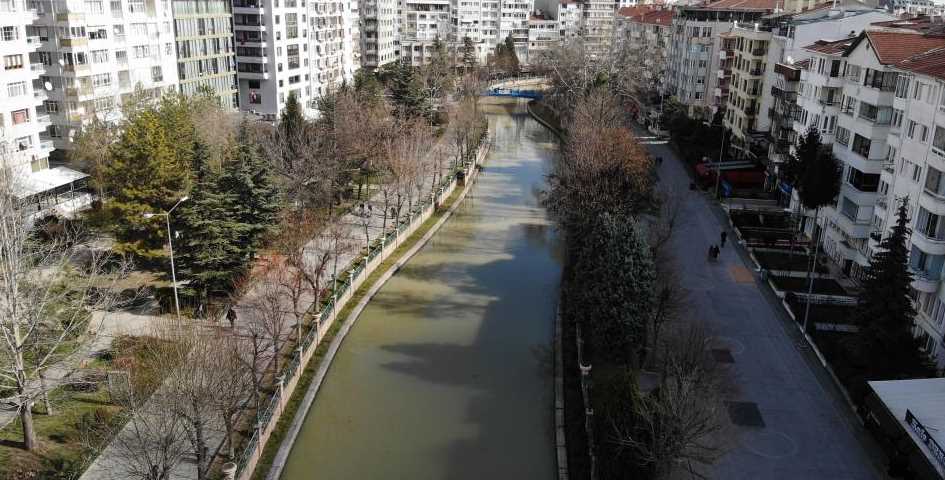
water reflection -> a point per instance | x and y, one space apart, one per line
447 375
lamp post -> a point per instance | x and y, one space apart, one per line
170 245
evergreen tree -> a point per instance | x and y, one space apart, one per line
817 186
144 176
367 86
510 61
407 90
248 176
469 54
613 283
292 122
208 251
885 345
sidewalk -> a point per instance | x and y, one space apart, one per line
789 420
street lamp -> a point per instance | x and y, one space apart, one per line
170 244
718 166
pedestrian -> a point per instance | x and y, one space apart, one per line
716 252
724 236
231 316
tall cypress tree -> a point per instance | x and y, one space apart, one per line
209 253
885 345
469 53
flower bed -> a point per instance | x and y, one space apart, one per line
822 286
798 262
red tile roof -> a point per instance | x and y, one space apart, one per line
829 47
895 46
659 17
931 63
635 11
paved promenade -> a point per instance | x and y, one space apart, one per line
790 421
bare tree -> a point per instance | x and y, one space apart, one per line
47 290
91 152
268 316
151 444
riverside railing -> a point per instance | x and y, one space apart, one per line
360 269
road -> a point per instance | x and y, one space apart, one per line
803 428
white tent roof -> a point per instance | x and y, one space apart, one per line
925 399
45 180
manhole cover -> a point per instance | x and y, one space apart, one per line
722 355
745 414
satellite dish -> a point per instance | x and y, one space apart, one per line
62 63
48 86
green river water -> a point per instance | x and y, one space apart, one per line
448 372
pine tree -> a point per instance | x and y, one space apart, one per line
469 54
208 250
613 283
248 176
511 58
407 90
144 176
885 344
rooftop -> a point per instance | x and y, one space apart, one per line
743 5
931 63
895 46
830 47
924 398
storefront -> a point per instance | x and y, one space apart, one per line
908 419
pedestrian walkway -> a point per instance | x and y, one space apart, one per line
789 420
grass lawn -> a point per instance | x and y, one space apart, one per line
63 442
785 261
822 286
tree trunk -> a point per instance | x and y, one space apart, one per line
201 449
228 425
813 265
29 433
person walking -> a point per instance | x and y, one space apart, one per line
724 236
231 316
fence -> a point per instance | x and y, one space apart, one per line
360 269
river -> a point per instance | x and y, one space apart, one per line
448 372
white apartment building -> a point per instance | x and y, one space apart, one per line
542 36
422 23
488 22
24 148
697 54
865 125
598 18
96 54
914 169
569 20
378 32
643 35
205 52
292 47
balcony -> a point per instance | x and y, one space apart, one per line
756 72
33 40
73 42
759 52
790 73
924 281
38 68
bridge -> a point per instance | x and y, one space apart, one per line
528 87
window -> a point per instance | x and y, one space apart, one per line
923 133
121 56
885 81
292 54
853 72
916 172
12 62
930 225
896 120
101 80
843 136
20 116
253 84
10 33
51 106
910 130
97 33
864 182
917 91
935 182
16 89
156 75
938 140
94 7
99 56
902 87
291 26
925 264
861 145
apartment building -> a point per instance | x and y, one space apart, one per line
489 22
378 32
697 56
292 47
643 35
97 54
422 23
597 24
569 20
203 31
914 169
542 36
24 120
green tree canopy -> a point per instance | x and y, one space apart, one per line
144 175
885 345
